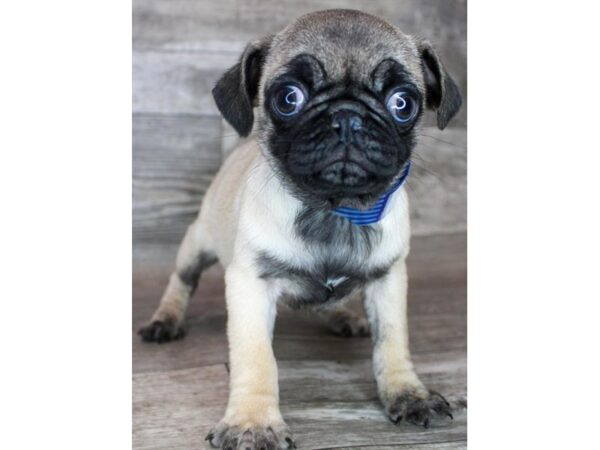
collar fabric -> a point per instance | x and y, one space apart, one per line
374 214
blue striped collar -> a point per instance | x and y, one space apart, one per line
375 213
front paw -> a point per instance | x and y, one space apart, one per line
417 408
161 331
256 437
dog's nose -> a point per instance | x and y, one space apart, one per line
346 123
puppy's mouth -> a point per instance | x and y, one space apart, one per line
343 174
342 171
345 182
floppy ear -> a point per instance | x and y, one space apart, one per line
441 92
235 92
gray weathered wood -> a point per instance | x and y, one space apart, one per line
158 23
437 187
177 82
174 160
457 445
175 409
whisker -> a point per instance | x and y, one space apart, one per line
443 141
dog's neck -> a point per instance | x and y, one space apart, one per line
309 233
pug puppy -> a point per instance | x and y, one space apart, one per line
311 210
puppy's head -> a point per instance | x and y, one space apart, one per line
339 95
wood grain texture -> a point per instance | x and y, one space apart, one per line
177 83
328 394
437 187
457 445
174 161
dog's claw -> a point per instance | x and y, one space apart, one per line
441 397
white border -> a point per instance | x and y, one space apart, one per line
534 225
65 241
65 186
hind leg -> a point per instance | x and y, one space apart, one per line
193 257
342 321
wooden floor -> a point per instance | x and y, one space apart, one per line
327 390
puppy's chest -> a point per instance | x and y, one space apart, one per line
326 265
324 258
323 281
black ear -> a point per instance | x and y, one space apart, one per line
235 92
442 94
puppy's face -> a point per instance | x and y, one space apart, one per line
339 96
340 137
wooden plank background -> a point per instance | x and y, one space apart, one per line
181 47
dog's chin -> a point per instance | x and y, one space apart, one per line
350 190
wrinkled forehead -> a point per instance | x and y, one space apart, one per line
346 47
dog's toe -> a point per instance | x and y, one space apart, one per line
161 331
253 438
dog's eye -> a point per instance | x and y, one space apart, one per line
289 100
402 106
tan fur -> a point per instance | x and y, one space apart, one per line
385 303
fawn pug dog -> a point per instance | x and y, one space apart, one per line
311 210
